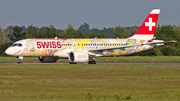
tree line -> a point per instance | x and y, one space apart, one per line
164 32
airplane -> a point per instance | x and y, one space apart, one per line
82 50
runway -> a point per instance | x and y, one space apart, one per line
106 63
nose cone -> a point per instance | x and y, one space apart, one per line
9 51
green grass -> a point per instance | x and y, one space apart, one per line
21 82
140 59
106 59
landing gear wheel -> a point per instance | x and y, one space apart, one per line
19 62
72 63
19 59
92 62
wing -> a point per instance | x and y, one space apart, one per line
123 47
111 48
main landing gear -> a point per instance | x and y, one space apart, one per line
72 63
19 59
92 62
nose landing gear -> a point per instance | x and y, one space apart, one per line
19 59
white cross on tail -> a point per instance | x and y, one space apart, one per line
150 24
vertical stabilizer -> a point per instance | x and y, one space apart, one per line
147 29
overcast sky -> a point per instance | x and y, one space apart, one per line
97 13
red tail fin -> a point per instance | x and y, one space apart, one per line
147 29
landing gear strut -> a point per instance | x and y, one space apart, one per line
19 59
92 62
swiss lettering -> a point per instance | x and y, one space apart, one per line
48 44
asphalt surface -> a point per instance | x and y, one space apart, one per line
106 63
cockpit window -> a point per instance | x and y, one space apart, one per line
13 45
16 44
20 45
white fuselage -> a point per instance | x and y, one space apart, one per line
62 47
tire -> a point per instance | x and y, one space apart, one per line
92 62
72 63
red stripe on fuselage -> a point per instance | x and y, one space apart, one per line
16 53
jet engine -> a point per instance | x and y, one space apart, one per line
77 57
47 59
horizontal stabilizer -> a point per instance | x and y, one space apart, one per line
158 42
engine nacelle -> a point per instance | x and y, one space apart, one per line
47 59
77 57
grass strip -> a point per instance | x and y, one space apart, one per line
89 82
